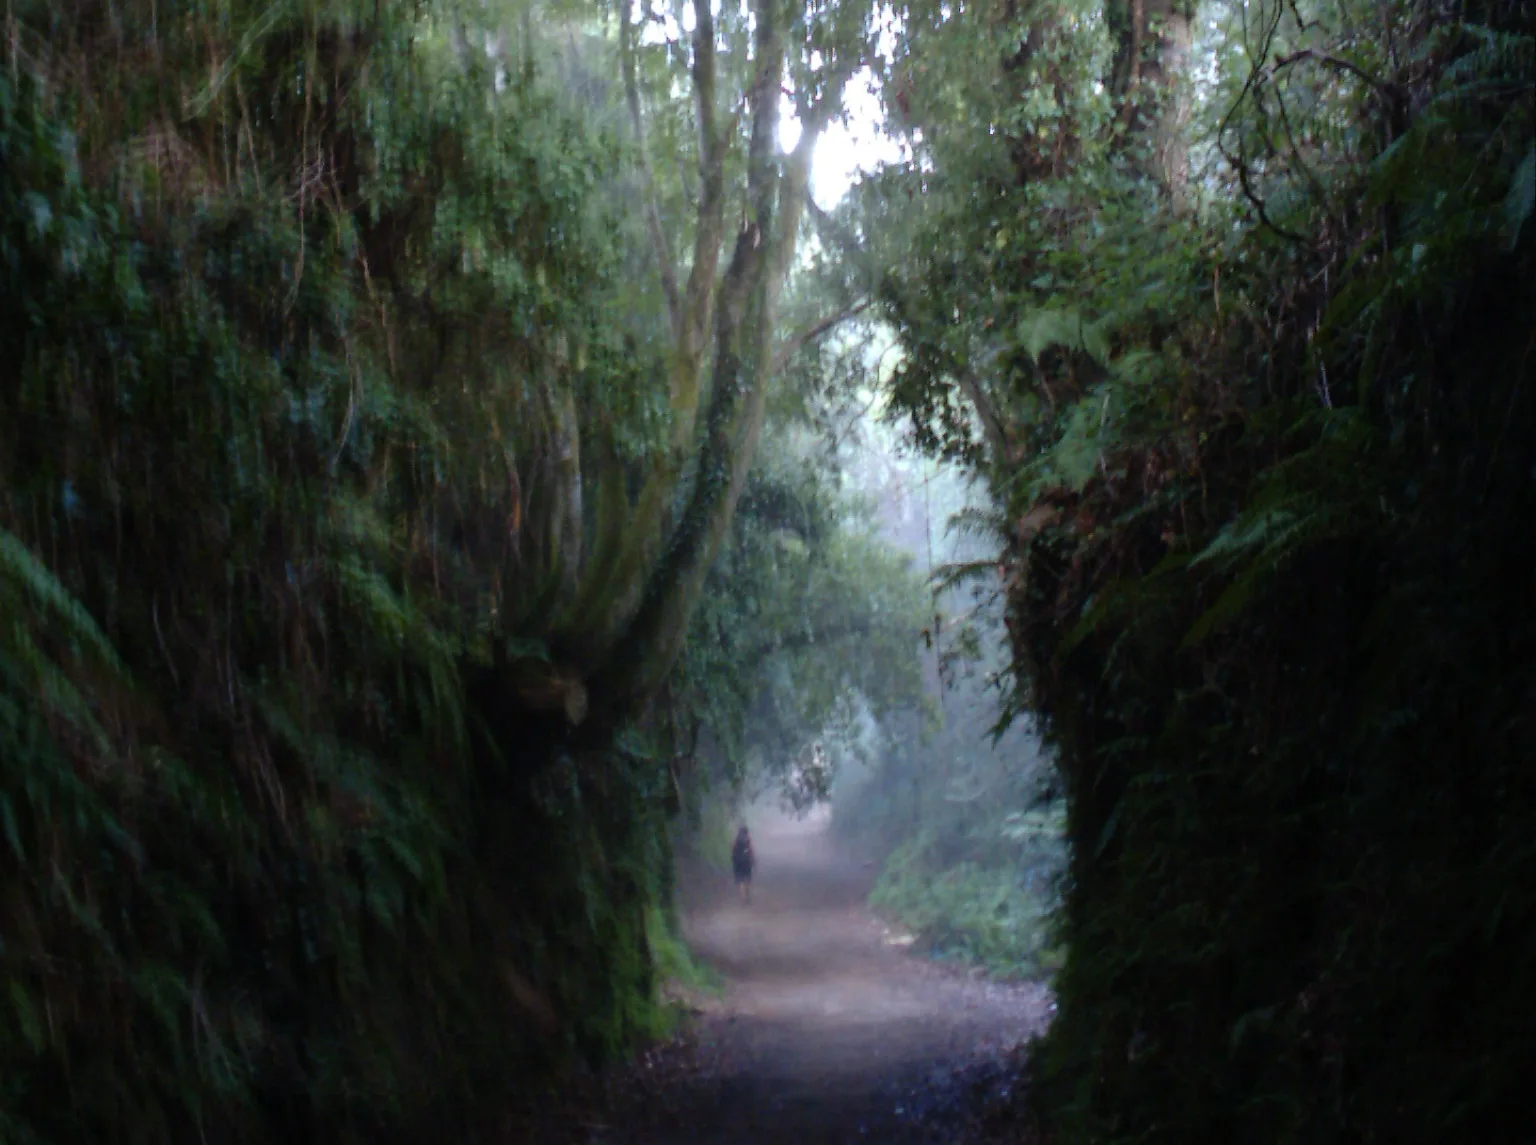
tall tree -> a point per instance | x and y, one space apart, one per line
621 629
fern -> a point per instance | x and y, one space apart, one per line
1500 57
1042 329
958 575
30 576
979 522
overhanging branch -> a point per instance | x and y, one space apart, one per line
803 338
834 232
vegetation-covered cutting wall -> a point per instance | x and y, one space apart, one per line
276 865
1241 329
363 458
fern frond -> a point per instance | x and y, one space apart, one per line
981 522
946 577
22 569
1500 56
1040 330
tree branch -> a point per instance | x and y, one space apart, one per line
652 211
628 670
637 665
1240 165
698 297
829 228
609 598
803 338
991 423
1332 62
763 97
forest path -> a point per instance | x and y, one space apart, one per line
827 1032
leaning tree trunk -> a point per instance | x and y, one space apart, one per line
621 629
744 312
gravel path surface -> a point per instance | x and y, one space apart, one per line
828 1032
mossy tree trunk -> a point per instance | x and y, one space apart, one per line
619 633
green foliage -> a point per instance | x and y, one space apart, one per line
712 815
810 621
283 289
971 851
987 914
957 806
1269 552
673 960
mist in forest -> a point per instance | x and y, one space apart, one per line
954 793
1062 469
928 768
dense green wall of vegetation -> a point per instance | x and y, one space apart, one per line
1258 404
279 858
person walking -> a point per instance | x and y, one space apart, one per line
742 862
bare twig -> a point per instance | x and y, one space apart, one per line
831 229
353 393
1257 72
154 615
859 415
1333 62
992 424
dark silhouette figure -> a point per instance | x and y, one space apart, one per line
742 862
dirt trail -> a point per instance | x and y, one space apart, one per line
827 1031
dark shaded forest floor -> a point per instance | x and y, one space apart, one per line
827 1030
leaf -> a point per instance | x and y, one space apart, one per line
946 577
1231 604
1039 330
1521 198
8 823
1246 533
1108 833
524 648
17 562
1252 1020
26 1016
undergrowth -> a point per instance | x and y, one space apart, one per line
1263 446
983 915
675 963
278 861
